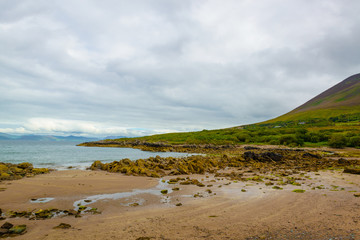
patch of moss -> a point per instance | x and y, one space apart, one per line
299 190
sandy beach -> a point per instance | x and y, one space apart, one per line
222 209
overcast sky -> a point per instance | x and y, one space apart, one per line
114 67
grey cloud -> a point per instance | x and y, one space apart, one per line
174 65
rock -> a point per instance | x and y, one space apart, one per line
7 225
43 214
343 161
263 157
96 165
310 155
352 170
40 170
93 211
72 212
251 148
25 165
19 229
63 226
3 231
82 208
250 156
271 156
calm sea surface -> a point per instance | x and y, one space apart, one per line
61 155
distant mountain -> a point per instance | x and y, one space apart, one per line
32 137
341 99
4 136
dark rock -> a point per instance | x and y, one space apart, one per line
250 156
310 155
352 171
7 225
263 157
271 156
72 212
251 148
63 226
343 161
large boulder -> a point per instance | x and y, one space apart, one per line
263 157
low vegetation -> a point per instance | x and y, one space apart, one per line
308 134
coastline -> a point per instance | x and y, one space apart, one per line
260 212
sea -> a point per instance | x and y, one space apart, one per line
66 155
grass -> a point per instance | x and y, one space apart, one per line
291 134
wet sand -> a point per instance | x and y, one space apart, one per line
327 209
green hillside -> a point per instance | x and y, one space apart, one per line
330 119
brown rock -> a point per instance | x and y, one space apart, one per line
3 231
72 212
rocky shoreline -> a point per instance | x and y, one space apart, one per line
276 160
158 146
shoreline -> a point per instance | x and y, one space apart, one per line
260 211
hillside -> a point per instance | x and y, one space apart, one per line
343 98
329 119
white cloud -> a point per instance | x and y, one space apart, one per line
63 126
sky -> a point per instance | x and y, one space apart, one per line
140 67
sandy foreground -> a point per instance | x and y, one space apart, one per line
222 209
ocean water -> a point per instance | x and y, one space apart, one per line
61 155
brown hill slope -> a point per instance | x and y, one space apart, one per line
343 98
